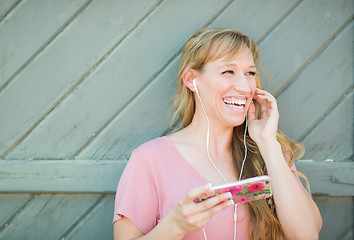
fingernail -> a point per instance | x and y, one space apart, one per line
230 195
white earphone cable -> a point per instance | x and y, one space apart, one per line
207 146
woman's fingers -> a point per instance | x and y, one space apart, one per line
196 193
191 207
192 216
204 216
267 102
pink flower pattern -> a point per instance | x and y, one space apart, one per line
244 193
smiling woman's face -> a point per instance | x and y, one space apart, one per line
227 88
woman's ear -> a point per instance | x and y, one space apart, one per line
188 78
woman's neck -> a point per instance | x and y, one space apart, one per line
220 137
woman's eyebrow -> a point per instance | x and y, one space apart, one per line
234 65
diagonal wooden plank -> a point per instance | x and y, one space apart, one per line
333 137
251 17
48 215
6 6
337 215
293 43
149 114
61 65
28 28
121 76
9 205
151 111
318 87
101 215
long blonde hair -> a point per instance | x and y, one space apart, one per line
209 45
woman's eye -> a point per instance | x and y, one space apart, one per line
251 73
228 72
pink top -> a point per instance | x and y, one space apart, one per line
154 180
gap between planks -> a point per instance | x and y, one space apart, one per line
83 216
279 22
12 8
32 196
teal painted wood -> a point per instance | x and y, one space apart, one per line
144 118
5 6
62 64
102 176
149 114
97 224
113 85
28 28
329 178
337 215
286 51
9 205
60 176
251 17
318 87
48 216
333 138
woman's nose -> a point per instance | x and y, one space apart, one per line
241 83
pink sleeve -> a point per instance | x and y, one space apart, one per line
136 196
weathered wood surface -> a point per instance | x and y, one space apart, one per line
333 137
237 16
101 215
299 38
49 216
63 64
60 175
337 215
10 204
24 32
329 178
305 101
5 7
144 118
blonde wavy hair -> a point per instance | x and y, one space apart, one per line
209 45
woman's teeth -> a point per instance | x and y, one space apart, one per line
234 103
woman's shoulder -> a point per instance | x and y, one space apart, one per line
151 145
153 148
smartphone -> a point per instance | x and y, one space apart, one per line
246 190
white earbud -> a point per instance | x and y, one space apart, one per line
195 86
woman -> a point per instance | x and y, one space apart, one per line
219 91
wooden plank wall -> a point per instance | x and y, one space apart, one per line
84 82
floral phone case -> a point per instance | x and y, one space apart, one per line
246 190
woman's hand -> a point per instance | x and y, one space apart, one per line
190 216
265 128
